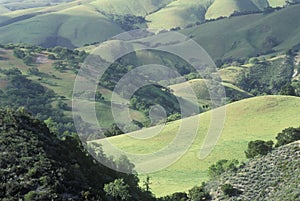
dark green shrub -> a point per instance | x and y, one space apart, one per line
287 136
258 147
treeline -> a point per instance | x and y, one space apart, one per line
65 59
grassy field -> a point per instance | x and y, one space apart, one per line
249 119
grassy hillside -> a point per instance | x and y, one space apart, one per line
131 7
250 119
179 14
200 89
227 7
3 9
275 3
261 4
77 23
271 177
71 27
24 4
249 35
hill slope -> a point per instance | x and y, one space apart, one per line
71 27
70 24
129 7
179 14
246 120
227 7
35 165
200 89
249 35
271 177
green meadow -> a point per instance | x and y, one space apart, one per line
246 120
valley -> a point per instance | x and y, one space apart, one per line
170 154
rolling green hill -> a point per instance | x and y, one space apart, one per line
24 4
77 23
131 7
200 89
246 120
179 14
71 27
249 35
70 24
227 7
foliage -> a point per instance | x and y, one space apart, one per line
229 190
129 22
287 136
288 90
22 92
117 190
36 165
199 193
258 147
173 117
222 166
267 77
274 176
147 184
178 196
66 59
26 56
113 131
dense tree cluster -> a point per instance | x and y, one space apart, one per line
287 136
129 22
35 165
267 77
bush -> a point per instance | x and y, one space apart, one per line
175 197
228 190
199 193
117 190
30 196
258 147
287 136
222 166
